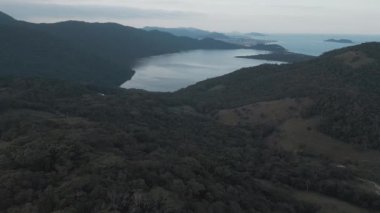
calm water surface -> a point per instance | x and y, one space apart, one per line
314 44
174 71
166 73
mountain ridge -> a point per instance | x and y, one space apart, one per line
5 18
104 43
242 39
251 141
346 72
294 138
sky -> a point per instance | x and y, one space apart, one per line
267 16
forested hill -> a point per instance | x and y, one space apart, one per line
352 68
120 43
29 52
4 18
344 84
96 53
294 138
72 148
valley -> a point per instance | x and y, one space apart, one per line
297 137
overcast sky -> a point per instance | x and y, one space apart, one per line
268 16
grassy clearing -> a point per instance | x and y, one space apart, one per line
298 134
302 135
329 204
355 59
269 113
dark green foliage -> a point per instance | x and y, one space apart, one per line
5 19
187 32
29 52
100 54
347 97
84 148
351 117
70 148
344 41
123 44
269 47
283 56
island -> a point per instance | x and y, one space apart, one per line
342 41
283 56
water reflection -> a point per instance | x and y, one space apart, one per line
174 71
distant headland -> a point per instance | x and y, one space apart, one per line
343 41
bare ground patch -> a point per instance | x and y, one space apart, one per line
329 204
269 113
355 59
295 133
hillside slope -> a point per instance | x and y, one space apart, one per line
251 141
186 32
120 43
343 83
71 148
101 54
5 18
29 52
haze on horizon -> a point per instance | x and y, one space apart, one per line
269 16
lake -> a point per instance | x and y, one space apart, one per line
167 73
171 72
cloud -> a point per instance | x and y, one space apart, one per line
298 7
286 16
34 11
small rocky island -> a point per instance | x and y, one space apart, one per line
282 56
342 41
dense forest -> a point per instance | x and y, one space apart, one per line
67 147
92 53
343 83
301 137
283 56
72 148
